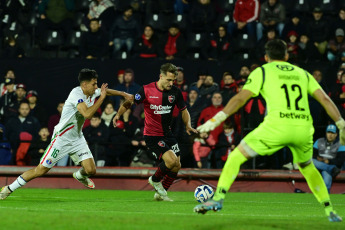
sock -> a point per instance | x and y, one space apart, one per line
160 173
169 179
317 186
79 175
19 182
229 173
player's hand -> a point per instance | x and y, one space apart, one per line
129 97
212 123
190 130
104 88
116 118
341 126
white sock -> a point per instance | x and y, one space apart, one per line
79 175
19 182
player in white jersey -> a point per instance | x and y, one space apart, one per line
68 137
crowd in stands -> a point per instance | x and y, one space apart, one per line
215 30
196 29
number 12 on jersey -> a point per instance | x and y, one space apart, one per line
294 88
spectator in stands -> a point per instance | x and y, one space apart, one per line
122 140
201 78
96 135
55 118
210 111
340 22
108 113
229 88
260 48
294 24
11 110
272 15
227 142
318 29
5 147
246 13
8 98
243 75
38 146
94 43
147 45
123 32
181 6
202 148
36 109
329 155
128 86
307 51
12 49
208 88
336 46
218 47
9 74
104 10
202 16
55 15
173 44
21 123
292 46
181 83
120 74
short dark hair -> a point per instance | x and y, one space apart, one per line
94 20
168 67
87 75
276 49
96 115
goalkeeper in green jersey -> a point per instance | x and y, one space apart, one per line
285 88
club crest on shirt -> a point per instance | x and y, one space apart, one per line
161 143
137 96
80 100
171 98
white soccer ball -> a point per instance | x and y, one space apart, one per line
203 193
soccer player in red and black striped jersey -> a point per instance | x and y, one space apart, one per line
159 100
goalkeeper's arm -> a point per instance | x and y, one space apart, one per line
332 111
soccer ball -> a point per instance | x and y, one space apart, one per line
203 193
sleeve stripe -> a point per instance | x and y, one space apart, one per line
263 76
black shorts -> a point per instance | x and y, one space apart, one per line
159 145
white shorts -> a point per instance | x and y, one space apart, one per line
59 147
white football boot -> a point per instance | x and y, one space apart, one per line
5 192
158 197
87 182
158 187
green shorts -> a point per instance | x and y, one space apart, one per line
268 139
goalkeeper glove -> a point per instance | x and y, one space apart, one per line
341 126
213 122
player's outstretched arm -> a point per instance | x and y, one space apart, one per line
235 103
332 111
88 112
123 108
186 121
127 96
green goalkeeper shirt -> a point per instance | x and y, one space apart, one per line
285 88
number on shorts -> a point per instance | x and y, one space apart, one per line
175 148
55 153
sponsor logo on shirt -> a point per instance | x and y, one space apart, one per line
171 98
82 154
153 97
294 116
161 144
285 67
137 96
161 109
80 100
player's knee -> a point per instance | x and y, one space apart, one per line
178 166
304 164
90 171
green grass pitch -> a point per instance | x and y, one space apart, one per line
113 209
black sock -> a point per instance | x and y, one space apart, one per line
160 173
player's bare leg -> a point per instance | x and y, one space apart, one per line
22 180
88 169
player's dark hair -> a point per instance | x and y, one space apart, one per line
276 49
168 67
87 75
